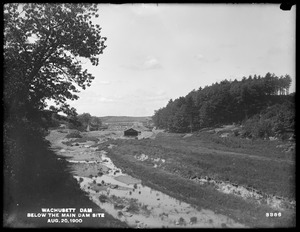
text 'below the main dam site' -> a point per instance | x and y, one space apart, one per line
65 215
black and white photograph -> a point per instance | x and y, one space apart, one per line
149 115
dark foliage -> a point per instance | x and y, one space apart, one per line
44 46
228 102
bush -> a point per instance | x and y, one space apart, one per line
274 120
74 134
133 207
103 198
181 221
258 128
77 126
193 220
54 122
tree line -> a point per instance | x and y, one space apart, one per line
224 102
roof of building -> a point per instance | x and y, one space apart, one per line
130 130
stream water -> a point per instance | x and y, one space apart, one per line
127 199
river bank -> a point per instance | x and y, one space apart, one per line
43 181
97 165
127 198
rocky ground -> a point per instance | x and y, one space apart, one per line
125 192
123 196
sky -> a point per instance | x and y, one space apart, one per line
158 52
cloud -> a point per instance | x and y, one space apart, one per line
94 96
145 96
159 95
151 63
203 58
199 57
157 98
93 100
147 63
105 99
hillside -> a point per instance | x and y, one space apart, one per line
230 102
116 119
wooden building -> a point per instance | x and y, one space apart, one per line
131 132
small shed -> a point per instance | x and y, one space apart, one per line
131 132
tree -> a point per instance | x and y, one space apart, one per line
85 119
226 102
287 83
44 46
180 120
96 122
270 84
191 111
204 115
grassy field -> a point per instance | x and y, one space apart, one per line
253 163
263 148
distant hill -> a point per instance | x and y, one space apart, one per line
118 119
262 103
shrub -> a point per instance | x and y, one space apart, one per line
133 207
103 198
193 220
120 213
274 120
75 126
54 122
181 221
258 128
100 173
74 134
118 206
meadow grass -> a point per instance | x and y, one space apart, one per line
271 177
259 147
185 157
